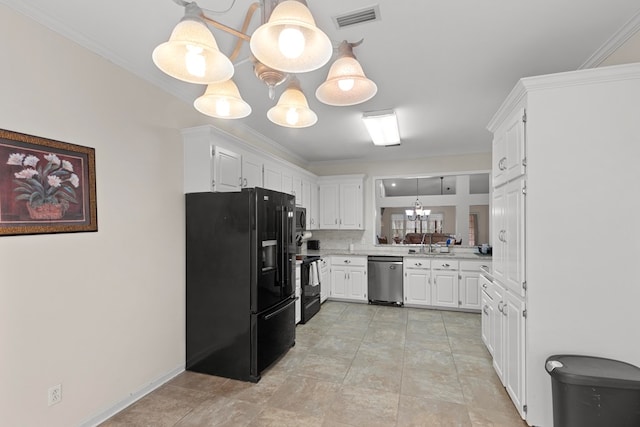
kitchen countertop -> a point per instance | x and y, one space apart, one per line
467 254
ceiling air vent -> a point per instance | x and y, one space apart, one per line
357 17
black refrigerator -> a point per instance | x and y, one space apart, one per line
240 267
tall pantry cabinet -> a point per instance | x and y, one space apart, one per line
565 226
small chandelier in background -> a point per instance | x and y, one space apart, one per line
289 42
417 213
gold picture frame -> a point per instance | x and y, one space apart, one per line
46 186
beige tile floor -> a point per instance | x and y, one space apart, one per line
353 365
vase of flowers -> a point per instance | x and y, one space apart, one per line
48 189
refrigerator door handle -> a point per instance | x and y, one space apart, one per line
280 310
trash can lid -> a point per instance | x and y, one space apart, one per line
593 371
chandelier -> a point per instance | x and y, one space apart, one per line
286 43
417 213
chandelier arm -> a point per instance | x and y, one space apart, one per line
181 3
245 26
225 28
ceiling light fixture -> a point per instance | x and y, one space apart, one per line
292 109
417 212
346 83
222 100
288 42
382 127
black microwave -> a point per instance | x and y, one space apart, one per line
301 219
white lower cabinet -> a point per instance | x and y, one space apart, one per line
325 280
486 299
444 276
497 329
514 333
508 337
439 282
417 281
298 295
469 286
349 278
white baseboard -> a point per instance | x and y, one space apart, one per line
108 413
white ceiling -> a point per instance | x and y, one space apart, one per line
444 66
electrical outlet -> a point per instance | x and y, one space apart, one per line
55 394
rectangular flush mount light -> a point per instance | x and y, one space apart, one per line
383 127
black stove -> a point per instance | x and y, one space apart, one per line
310 283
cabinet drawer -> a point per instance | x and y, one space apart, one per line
445 264
474 265
416 263
358 261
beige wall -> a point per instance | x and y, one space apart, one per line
628 53
100 313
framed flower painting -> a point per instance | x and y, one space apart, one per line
46 186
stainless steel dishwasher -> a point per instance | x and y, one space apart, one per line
385 280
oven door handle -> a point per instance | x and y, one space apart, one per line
280 310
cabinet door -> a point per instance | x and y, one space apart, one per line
287 183
251 172
357 283
313 210
499 159
514 237
325 280
350 207
227 168
306 196
514 350
296 189
445 288
497 333
328 205
469 290
509 149
338 282
417 289
487 318
515 140
498 212
272 178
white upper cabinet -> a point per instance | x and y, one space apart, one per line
211 168
297 190
329 204
272 177
217 161
227 170
509 158
341 200
251 171
313 208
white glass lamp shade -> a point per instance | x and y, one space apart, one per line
290 40
292 109
346 84
222 100
192 55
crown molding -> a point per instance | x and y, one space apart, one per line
562 80
615 41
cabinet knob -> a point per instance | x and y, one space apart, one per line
418 264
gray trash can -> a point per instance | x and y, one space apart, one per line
594 392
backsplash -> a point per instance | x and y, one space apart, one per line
341 239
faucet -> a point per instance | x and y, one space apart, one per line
422 242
